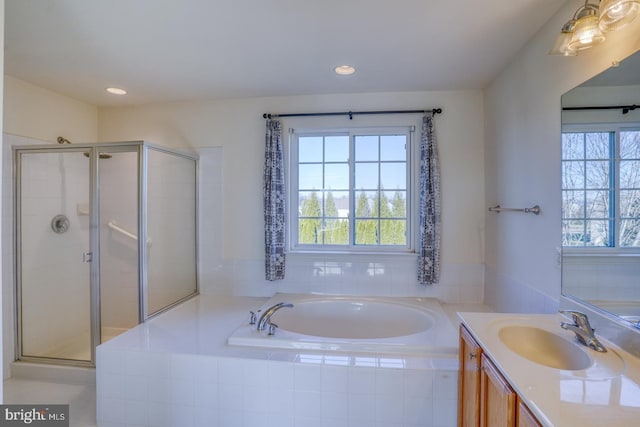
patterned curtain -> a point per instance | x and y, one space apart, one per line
429 223
274 202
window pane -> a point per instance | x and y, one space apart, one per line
366 148
597 233
630 233
336 177
366 232
366 176
393 176
629 203
573 204
309 204
366 204
597 145
630 145
393 147
597 204
309 231
597 174
336 232
573 233
572 146
310 177
336 148
392 232
573 175
336 204
310 149
629 174
398 202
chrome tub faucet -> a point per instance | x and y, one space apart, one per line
583 330
265 319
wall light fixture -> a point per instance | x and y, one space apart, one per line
590 22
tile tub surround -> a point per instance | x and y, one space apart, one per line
176 370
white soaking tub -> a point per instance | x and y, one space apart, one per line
353 324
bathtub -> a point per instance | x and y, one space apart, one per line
353 324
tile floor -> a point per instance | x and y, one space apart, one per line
80 397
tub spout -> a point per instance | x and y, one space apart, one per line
266 316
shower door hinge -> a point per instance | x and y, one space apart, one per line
87 256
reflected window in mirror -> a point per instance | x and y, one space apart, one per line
601 187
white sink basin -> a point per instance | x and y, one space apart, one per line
544 347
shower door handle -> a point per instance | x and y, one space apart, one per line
87 256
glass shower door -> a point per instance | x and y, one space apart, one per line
53 267
119 261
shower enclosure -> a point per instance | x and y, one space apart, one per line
105 238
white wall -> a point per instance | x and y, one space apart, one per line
522 163
1 210
234 263
39 113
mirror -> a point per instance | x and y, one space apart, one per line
601 191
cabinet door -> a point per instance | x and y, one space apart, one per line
525 417
468 381
498 408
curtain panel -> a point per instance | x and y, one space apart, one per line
274 202
429 221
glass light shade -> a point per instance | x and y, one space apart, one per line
561 46
615 14
586 33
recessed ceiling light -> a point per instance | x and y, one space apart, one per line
116 91
344 70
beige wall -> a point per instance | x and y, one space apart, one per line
34 112
522 163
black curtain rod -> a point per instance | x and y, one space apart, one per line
353 113
625 108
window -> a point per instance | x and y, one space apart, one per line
350 190
601 188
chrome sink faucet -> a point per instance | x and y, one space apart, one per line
583 330
265 319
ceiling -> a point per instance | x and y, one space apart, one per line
173 50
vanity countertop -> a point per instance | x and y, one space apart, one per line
606 393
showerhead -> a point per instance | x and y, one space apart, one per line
62 140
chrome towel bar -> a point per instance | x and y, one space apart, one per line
534 210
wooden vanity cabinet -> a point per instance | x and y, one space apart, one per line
497 398
524 416
468 380
485 398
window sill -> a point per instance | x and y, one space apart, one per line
341 255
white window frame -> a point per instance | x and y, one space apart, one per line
616 249
292 190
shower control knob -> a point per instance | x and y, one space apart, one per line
252 318
60 224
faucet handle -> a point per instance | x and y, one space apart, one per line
253 317
272 328
579 319
578 316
